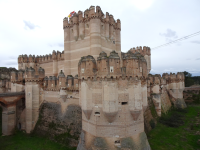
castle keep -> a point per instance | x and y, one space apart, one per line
111 87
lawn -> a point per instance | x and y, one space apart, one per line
183 137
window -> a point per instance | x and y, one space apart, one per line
117 142
60 83
76 85
51 85
111 69
124 103
72 30
140 69
113 42
97 113
82 70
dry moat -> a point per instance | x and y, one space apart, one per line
182 133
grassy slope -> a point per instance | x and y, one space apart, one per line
22 141
180 138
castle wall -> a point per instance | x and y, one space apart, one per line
165 101
32 105
48 67
8 120
16 87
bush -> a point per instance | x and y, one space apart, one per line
173 120
152 124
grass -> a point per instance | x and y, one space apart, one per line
178 130
23 141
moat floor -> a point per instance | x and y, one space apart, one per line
22 141
162 137
185 137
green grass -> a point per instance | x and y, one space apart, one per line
23 141
181 137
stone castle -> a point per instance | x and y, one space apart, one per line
111 87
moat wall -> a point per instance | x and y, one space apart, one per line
64 128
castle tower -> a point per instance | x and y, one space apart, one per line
112 104
89 34
32 88
175 87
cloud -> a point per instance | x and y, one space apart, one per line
11 63
198 59
169 34
142 4
196 42
57 44
29 25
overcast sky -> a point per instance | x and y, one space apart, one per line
35 27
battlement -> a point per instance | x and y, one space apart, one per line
29 75
143 51
89 14
134 65
53 83
166 78
41 59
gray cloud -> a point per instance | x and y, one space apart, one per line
10 63
169 34
13 57
29 25
196 42
57 44
198 59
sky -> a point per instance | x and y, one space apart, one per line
36 27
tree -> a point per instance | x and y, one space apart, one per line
188 79
187 74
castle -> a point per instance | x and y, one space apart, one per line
111 87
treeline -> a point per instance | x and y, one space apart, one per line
189 80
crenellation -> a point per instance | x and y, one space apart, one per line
20 75
14 76
61 80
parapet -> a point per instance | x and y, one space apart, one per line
30 74
134 65
41 59
166 78
89 14
145 51
53 83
